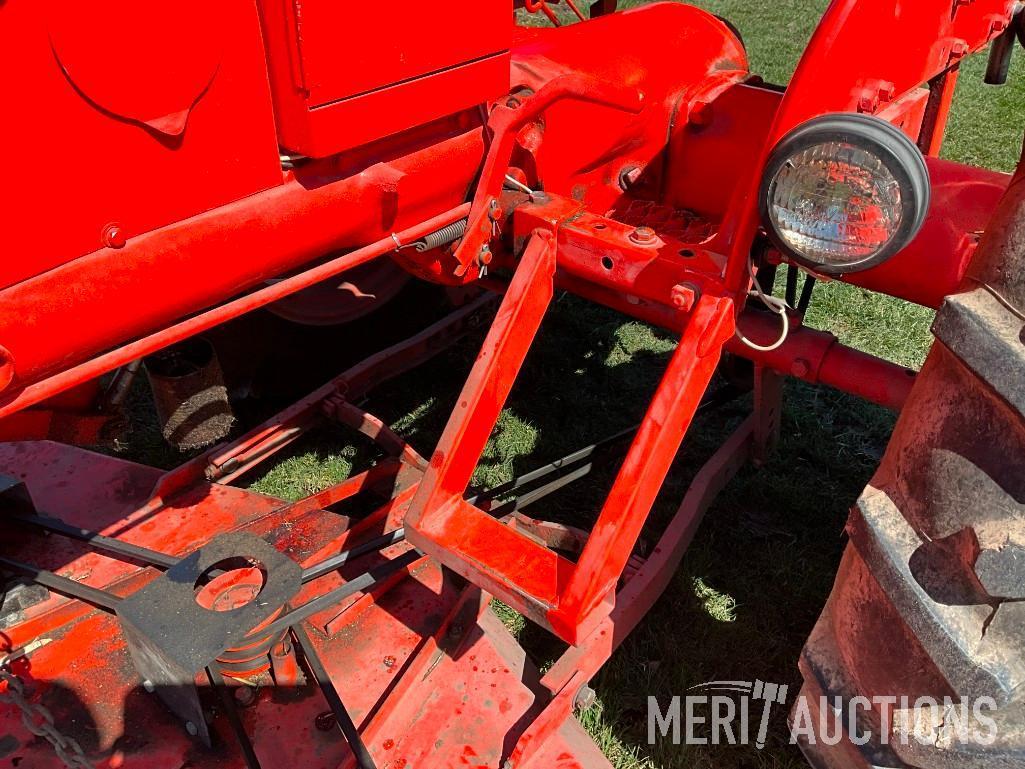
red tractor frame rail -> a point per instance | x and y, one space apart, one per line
620 158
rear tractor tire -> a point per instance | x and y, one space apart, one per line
929 602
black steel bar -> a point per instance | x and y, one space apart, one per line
520 502
720 397
97 540
551 467
1000 53
358 584
791 290
235 721
342 717
62 585
806 291
334 562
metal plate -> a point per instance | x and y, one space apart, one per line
164 619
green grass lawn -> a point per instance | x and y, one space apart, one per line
762 565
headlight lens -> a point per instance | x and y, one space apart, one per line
844 192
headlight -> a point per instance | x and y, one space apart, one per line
844 192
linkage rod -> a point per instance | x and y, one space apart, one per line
342 717
97 540
363 582
62 585
228 703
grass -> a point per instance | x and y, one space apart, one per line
756 576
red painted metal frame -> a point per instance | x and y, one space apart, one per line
157 277
673 125
505 122
534 580
387 82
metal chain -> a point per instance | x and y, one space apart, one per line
39 721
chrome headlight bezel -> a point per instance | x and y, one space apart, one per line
895 151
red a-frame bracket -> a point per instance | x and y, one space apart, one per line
569 599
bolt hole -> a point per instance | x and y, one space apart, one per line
686 253
607 263
230 584
599 226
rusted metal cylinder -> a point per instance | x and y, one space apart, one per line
189 394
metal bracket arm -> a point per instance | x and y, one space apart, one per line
505 123
567 598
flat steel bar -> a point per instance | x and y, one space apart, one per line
234 720
342 717
62 585
329 565
97 540
357 585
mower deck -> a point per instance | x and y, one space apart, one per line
427 673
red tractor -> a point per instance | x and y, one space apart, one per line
212 159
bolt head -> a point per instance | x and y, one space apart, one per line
684 296
325 722
643 236
800 368
191 728
701 113
958 50
868 102
113 236
245 695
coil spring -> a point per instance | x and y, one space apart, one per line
442 237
